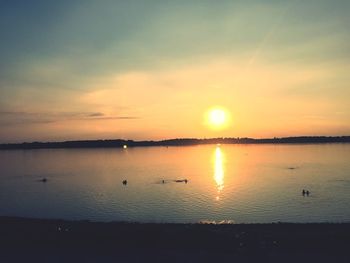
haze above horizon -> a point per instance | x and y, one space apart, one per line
150 70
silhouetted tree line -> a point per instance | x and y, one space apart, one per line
172 142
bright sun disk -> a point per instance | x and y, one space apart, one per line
217 117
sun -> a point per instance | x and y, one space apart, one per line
217 118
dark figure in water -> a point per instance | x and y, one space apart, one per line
304 192
44 180
125 182
181 181
163 182
307 192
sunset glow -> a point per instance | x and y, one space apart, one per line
151 71
175 131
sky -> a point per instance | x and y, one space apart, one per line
153 69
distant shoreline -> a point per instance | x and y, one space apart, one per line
119 143
84 241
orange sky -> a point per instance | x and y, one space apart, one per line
155 71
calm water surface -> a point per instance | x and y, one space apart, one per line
238 183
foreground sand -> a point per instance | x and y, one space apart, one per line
36 240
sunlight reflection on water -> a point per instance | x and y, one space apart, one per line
219 171
240 183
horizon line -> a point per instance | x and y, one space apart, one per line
111 143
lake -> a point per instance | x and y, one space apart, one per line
226 183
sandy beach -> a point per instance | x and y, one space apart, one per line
43 240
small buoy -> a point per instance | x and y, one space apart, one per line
125 146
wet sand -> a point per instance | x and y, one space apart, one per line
38 240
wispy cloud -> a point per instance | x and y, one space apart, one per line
22 117
96 114
119 118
